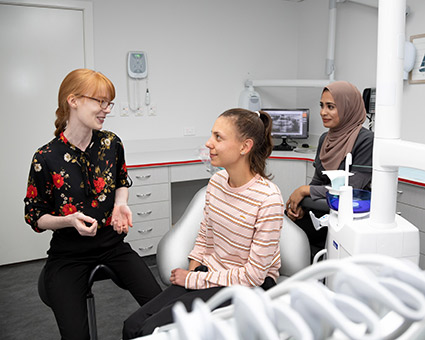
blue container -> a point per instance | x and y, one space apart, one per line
361 201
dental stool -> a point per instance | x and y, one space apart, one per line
99 273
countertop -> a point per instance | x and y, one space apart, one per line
192 155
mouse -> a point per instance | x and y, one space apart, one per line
305 145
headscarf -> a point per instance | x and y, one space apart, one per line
351 111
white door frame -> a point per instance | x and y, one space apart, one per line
23 244
87 9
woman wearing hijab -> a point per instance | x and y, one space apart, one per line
343 113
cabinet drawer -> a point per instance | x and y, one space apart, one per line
148 229
189 172
149 193
145 247
149 176
150 211
414 215
411 194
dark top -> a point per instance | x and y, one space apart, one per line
63 180
361 165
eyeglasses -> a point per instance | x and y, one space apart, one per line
104 104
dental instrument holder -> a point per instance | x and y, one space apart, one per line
339 187
350 233
345 209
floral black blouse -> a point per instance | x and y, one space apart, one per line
63 180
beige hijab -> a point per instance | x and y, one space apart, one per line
351 111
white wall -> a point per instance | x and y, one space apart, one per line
199 54
413 121
355 50
355 55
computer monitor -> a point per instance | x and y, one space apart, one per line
289 124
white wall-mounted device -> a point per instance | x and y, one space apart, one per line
249 98
137 65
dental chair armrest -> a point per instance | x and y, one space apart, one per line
178 242
294 249
319 204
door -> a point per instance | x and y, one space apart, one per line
39 46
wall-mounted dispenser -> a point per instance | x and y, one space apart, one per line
249 98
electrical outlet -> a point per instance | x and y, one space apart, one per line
152 110
139 111
124 110
189 131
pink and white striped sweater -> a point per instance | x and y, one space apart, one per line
239 236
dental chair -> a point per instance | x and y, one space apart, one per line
175 246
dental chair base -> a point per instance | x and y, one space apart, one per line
359 237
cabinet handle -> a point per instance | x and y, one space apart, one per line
143 177
144 231
399 192
145 248
144 195
398 213
144 213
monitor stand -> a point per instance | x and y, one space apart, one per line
284 146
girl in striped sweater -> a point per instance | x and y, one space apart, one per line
238 240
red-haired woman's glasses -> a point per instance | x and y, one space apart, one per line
104 104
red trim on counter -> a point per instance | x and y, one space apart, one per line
199 161
195 161
411 182
292 158
163 164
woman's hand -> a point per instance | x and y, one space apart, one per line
293 209
79 221
121 218
178 276
295 215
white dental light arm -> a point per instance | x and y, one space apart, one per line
390 151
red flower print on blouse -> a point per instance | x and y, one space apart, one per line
95 203
31 191
63 138
69 209
99 184
57 180
108 221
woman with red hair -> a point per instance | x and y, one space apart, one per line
78 188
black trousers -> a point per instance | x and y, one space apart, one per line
66 282
158 312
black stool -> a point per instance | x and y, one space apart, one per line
100 272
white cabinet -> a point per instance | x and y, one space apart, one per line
310 171
287 174
411 205
149 200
